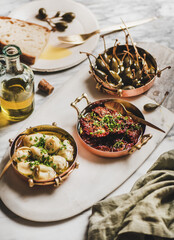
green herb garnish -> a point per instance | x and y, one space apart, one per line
54 166
118 144
41 142
43 151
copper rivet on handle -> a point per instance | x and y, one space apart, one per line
57 182
77 165
139 146
119 92
10 141
30 182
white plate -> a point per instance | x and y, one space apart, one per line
84 22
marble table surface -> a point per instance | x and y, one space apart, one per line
107 13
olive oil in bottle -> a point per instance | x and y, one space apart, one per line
17 99
17 86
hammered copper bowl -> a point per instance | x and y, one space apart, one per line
100 85
143 138
50 130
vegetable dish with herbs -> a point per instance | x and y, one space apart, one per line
43 157
109 130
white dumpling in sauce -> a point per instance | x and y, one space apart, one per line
21 154
66 151
52 144
38 153
24 168
32 139
58 162
44 173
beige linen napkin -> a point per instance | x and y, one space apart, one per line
146 213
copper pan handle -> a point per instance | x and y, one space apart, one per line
57 181
145 138
78 99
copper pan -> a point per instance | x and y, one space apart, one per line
143 138
50 130
119 92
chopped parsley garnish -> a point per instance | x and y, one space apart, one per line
43 150
118 144
96 123
36 139
64 146
54 166
137 126
93 115
40 143
119 115
33 164
109 121
112 122
109 130
98 131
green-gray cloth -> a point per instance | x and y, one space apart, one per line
146 213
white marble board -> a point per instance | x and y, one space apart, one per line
96 176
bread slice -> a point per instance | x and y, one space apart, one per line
30 37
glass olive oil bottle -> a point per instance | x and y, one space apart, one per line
17 85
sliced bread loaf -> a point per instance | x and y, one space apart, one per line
30 37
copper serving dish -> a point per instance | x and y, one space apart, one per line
143 138
50 130
120 92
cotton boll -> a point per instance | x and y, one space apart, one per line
52 144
